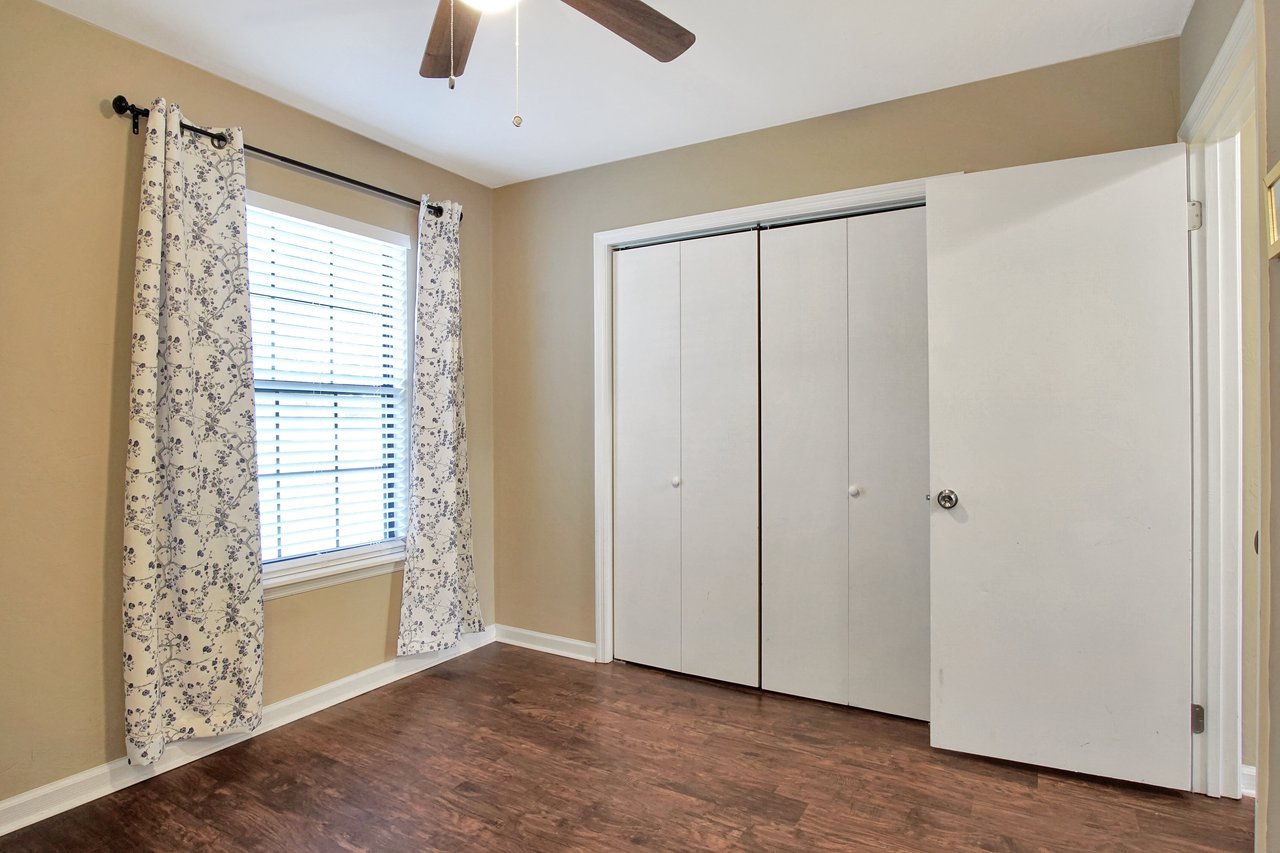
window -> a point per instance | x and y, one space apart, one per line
330 363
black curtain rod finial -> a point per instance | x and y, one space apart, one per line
123 106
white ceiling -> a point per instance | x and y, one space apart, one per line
588 97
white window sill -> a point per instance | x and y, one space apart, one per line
317 571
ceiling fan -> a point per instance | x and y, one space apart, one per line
637 22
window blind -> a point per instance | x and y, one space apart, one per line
330 362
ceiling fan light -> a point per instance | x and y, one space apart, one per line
491 6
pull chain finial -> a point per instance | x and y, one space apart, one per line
516 119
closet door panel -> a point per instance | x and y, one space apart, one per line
719 458
804 438
646 559
1061 402
889 464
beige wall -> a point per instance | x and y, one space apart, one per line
543 284
1202 38
69 169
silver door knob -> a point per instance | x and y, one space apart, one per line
948 499
675 482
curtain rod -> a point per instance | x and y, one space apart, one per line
122 106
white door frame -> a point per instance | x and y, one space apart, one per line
1223 106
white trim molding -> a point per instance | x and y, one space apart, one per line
565 647
1212 127
1217 472
317 571
1248 781
48 800
325 217
844 203
1232 71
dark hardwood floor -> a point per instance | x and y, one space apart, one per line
507 749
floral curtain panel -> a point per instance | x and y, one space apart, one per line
192 570
439 603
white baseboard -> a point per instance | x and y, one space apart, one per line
48 800
1248 781
550 643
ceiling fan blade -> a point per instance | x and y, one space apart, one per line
435 61
640 24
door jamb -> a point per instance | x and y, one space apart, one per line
1220 111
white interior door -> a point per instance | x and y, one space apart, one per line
1060 414
888 464
646 504
719 411
804 451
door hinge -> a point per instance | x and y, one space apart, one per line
1195 215
1197 719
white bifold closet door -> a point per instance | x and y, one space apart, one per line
804 455
719 459
686 456
646 417
1061 405
844 454
889 464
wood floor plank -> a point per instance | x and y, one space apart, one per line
506 749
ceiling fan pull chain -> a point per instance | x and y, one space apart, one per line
452 80
516 119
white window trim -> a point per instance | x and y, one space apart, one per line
294 575
317 571
333 220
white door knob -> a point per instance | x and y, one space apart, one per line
675 482
855 490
